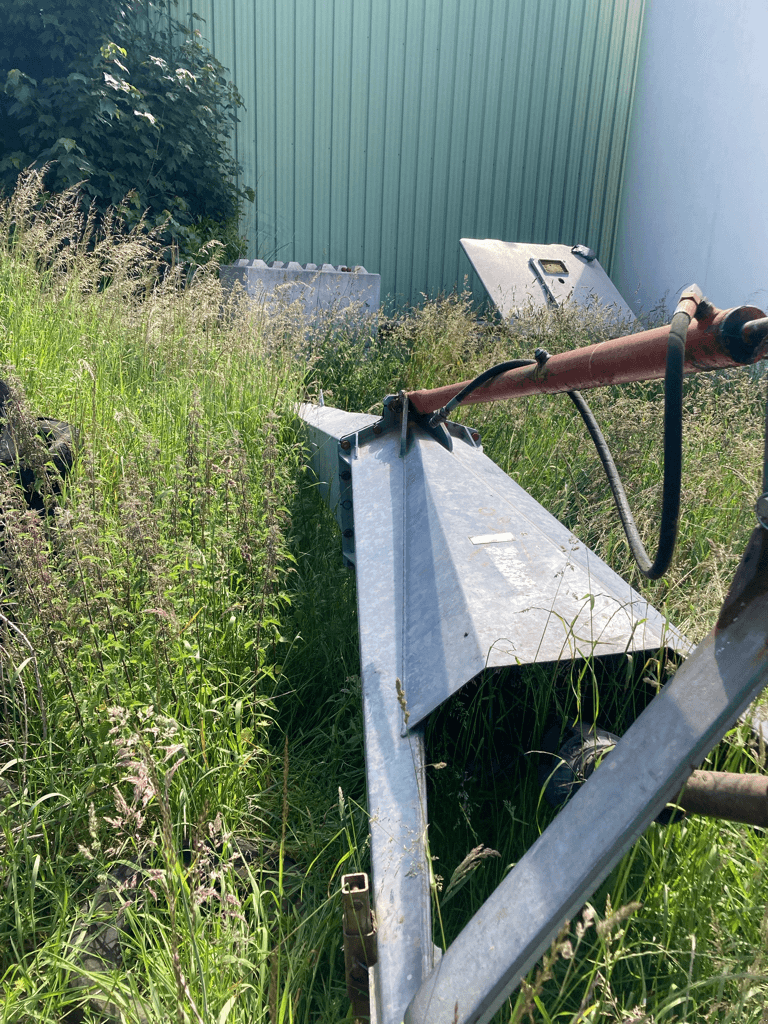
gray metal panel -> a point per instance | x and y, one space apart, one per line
514 275
378 134
325 427
493 579
577 851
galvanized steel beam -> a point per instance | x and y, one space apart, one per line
457 569
610 811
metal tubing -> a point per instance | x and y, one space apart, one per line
609 812
359 940
727 795
714 343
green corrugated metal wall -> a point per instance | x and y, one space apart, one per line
379 132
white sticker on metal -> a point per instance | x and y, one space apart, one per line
493 538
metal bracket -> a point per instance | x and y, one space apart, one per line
399 407
404 426
549 294
396 415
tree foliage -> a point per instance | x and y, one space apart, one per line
124 98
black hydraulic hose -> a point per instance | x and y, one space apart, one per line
483 378
673 446
673 458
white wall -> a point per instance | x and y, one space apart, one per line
694 204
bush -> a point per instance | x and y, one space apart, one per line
123 98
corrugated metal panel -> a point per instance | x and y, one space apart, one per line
379 133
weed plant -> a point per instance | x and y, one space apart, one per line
145 624
180 727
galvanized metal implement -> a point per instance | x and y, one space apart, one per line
459 570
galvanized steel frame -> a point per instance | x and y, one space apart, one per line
360 462
577 851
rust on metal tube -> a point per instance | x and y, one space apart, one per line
715 342
727 795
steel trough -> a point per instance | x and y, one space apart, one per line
458 569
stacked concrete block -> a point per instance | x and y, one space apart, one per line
339 296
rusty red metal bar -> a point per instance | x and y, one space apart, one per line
721 339
727 795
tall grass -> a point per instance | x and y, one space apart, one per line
180 729
144 644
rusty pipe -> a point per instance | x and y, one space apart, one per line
720 339
727 795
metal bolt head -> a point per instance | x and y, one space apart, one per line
346 445
475 436
761 510
377 428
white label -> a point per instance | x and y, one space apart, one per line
493 538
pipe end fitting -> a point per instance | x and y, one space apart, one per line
690 300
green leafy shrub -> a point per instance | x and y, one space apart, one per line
125 99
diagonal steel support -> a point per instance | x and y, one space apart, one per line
568 862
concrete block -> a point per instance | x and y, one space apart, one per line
341 296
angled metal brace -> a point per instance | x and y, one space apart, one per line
608 814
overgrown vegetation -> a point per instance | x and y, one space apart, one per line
122 97
179 685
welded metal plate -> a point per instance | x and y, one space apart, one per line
491 578
517 274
